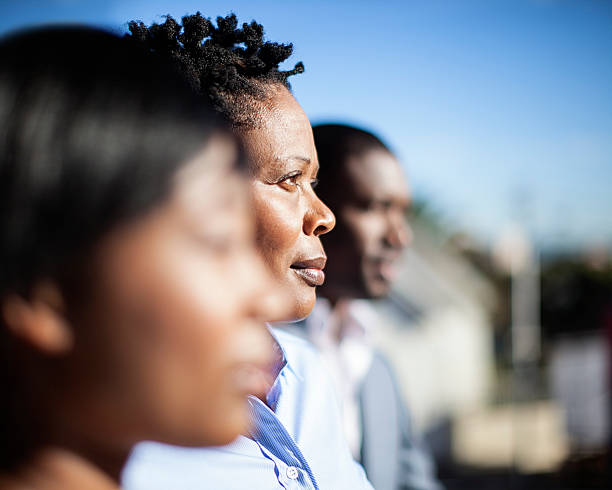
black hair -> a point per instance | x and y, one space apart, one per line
336 143
92 131
232 67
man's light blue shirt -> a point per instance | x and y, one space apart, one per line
296 444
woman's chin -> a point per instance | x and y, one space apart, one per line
304 303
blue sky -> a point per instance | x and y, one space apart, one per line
500 110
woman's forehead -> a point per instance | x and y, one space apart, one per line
284 134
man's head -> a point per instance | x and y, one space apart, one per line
364 185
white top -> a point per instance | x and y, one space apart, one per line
343 336
298 444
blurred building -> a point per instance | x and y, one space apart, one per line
437 331
444 329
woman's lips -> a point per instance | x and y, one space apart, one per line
311 270
312 277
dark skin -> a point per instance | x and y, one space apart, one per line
371 227
164 343
289 221
290 218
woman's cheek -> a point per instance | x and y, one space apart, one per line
278 228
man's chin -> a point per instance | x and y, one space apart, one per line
378 288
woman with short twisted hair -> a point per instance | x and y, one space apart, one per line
297 441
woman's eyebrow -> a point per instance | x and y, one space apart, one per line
294 157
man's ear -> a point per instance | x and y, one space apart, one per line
39 321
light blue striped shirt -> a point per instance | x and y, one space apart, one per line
298 444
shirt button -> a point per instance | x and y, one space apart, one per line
292 473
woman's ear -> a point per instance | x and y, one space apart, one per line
39 320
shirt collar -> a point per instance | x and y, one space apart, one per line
355 316
353 354
289 354
284 367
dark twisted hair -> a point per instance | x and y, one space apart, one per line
233 67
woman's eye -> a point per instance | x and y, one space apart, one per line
314 183
290 180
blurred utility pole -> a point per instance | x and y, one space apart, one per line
515 253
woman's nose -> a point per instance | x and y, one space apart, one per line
318 219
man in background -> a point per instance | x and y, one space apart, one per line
364 185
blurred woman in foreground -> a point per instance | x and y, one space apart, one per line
125 227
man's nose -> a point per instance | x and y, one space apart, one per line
399 232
